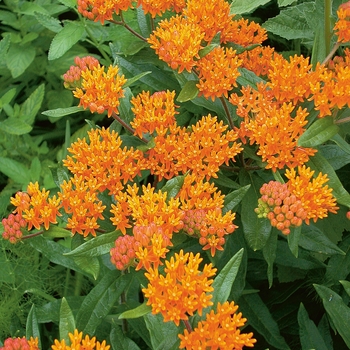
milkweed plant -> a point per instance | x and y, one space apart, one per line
205 205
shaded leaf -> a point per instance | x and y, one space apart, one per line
120 342
234 198
19 58
32 104
14 170
32 326
15 126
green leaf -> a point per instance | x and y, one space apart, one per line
234 198
7 272
164 335
15 126
136 78
293 239
8 96
337 310
98 303
14 170
71 33
139 311
269 253
48 22
188 92
60 174
282 3
67 322
320 164
96 246
341 143
61 112
335 155
32 104
319 132
19 58
319 48
291 23
125 106
248 77
35 169
254 309
90 265
310 337
173 186
120 342
346 285
32 326
243 6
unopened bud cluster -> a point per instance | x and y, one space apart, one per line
280 206
13 226
123 254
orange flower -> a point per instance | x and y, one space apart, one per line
177 42
220 330
317 200
100 91
102 10
20 344
78 342
151 112
183 290
155 8
342 26
218 71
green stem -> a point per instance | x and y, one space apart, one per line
327 24
32 235
66 283
78 284
126 26
224 104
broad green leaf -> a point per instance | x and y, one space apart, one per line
120 342
29 8
164 335
136 78
248 77
35 169
60 174
61 112
19 58
142 22
188 92
269 253
320 164
336 156
282 3
98 303
315 240
337 310
67 322
8 96
346 285
15 126
310 337
173 186
291 23
324 329
225 181
243 6
32 104
71 33
125 106
318 48
90 265
319 132
48 22
96 246
14 170
259 317
32 326
139 311
341 143
293 240
4 46
234 198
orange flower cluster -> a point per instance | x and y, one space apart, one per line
158 7
342 26
78 342
123 254
80 201
72 78
13 226
201 150
102 10
20 344
183 290
151 112
202 205
280 206
36 207
177 42
218 72
317 199
100 90
219 330
103 160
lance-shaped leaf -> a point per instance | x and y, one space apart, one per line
67 322
139 311
188 92
120 342
58 113
173 186
293 240
32 326
234 198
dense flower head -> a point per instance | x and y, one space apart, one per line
123 254
103 160
20 344
102 10
218 71
220 330
342 26
100 89
36 207
158 7
13 227
177 42
201 149
280 206
153 111
80 201
316 197
72 78
77 341
183 290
